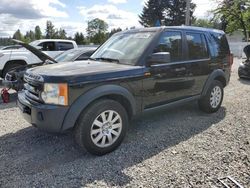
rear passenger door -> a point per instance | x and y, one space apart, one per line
197 60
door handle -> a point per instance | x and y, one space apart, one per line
180 69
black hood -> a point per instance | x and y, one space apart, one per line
42 56
83 71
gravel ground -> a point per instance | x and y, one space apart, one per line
173 147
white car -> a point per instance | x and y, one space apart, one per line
12 58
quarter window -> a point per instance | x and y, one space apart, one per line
171 41
197 48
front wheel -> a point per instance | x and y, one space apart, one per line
211 102
102 127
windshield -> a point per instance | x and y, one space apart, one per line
69 55
124 48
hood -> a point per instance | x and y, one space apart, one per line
84 70
42 56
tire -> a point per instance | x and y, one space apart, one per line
211 104
91 128
10 66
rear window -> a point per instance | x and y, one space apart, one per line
63 46
220 44
197 47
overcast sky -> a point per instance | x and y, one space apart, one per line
73 15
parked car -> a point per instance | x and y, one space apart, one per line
79 54
14 78
11 47
12 58
244 68
134 71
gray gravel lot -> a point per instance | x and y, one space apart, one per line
171 147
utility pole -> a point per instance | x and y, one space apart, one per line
187 21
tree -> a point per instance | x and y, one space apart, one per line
38 33
209 23
175 12
79 38
50 30
163 12
18 35
97 31
152 12
236 15
113 31
61 34
29 36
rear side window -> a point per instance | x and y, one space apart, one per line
197 47
220 44
63 46
171 41
48 46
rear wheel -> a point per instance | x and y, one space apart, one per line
102 127
211 102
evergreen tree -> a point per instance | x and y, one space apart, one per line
50 30
153 12
79 38
38 33
175 12
62 34
113 31
164 12
18 35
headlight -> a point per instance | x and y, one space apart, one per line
55 94
1 55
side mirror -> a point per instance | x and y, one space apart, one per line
159 58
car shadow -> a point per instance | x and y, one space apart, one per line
29 151
4 106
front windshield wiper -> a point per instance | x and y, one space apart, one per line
106 59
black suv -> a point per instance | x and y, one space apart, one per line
133 71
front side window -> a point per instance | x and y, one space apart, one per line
171 41
197 48
48 46
126 48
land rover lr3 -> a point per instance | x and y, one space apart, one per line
134 71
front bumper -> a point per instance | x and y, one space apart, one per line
244 71
43 116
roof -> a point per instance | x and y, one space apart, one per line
55 40
182 27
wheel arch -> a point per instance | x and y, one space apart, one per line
21 62
114 92
215 75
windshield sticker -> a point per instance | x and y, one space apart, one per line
142 35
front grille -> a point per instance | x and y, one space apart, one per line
33 89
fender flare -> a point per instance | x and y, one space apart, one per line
211 78
84 100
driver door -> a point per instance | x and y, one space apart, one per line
167 81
